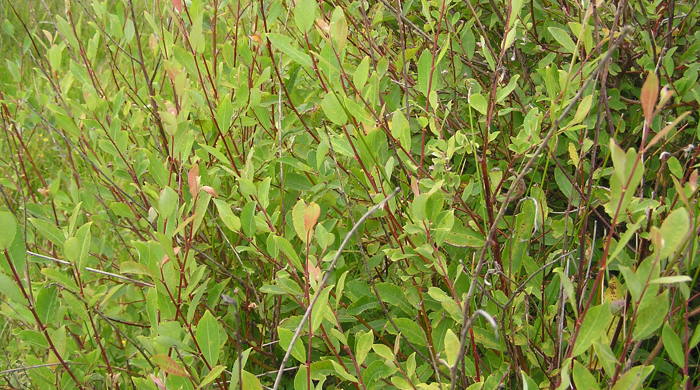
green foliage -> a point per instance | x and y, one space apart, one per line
180 181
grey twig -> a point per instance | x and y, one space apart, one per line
326 276
93 270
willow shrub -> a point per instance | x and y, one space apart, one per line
297 194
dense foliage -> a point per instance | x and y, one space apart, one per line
420 194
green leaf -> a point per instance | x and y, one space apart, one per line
231 221
594 325
342 372
167 202
305 13
47 303
319 309
652 312
286 247
634 378
673 346
250 381
673 230
238 365
505 91
333 109
298 351
248 219
384 351
451 347
478 102
76 248
211 376
298 219
583 379
583 107
401 130
563 38
363 344
359 78
339 28
8 229
211 337
672 279
48 230
284 44
410 330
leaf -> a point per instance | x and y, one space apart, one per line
305 13
673 346
478 102
673 231
319 309
582 110
298 212
76 248
339 29
8 229
193 180
284 44
401 130
411 331
594 325
672 279
333 109
211 376
652 312
363 344
177 5
424 71
359 77
583 379
634 378
666 130
211 337
48 230
311 214
505 91
649 95
167 202
248 219
231 221
47 303
383 351
170 366
451 347
250 381
298 352
342 372
563 38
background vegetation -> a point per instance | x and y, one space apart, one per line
430 194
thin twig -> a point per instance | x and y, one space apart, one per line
93 270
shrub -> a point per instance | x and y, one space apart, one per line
289 194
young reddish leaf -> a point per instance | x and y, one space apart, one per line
209 191
158 382
311 214
650 92
414 187
193 180
177 4
314 271
167 364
